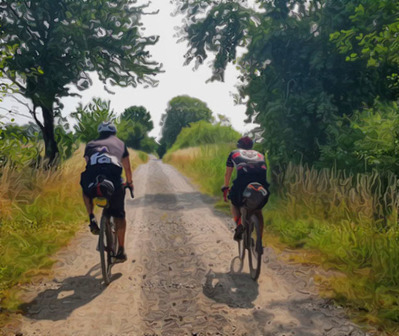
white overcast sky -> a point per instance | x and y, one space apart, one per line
176 80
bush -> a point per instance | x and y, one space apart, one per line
204 133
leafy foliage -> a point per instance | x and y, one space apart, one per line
372 35
88 118
181 111
368 140
138 114
133 128
204 133
18 146
294 80
59 42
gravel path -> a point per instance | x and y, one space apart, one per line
176 280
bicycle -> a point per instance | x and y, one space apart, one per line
254 195
107 240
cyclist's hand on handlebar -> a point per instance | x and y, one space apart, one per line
225 190
129 186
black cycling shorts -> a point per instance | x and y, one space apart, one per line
116 206
117 201
239 186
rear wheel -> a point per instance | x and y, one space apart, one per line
254 247
104 243
238 261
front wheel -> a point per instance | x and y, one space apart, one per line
255 248
237 263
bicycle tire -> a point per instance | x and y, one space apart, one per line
241 254
103 247
254 247
112 241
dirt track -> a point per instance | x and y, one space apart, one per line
176 280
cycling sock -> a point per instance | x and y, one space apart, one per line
91 217
237 220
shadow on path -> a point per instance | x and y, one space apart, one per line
59 302
234 290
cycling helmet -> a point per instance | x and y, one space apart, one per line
245 143
106 126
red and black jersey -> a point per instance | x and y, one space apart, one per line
247 162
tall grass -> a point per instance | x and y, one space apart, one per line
40 211
353 221
350 222
206 165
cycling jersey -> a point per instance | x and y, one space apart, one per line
251 167
110 150
247 162
104 157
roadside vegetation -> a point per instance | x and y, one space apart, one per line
41 210
319 77
41 206
321 80
341 221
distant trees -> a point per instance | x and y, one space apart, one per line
134 126
59 42
181 111
297 82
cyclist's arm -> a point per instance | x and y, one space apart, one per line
128 169
227 176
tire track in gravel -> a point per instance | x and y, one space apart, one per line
176 280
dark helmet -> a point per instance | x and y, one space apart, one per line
245 143
106 127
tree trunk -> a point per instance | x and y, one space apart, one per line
50 145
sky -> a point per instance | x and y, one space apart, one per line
176 80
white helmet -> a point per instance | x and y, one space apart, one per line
106 126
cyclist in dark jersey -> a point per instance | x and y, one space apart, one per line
251 167
106 156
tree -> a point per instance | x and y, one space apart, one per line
131 133
88 118
59 42
373 35
294 79
138 114
181 111
134 126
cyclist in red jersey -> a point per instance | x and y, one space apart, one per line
106 156
251 167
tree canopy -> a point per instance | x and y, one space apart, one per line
59 42
181 111
296 82
134 126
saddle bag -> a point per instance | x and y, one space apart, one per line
255 196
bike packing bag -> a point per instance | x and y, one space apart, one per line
254 196
101 181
